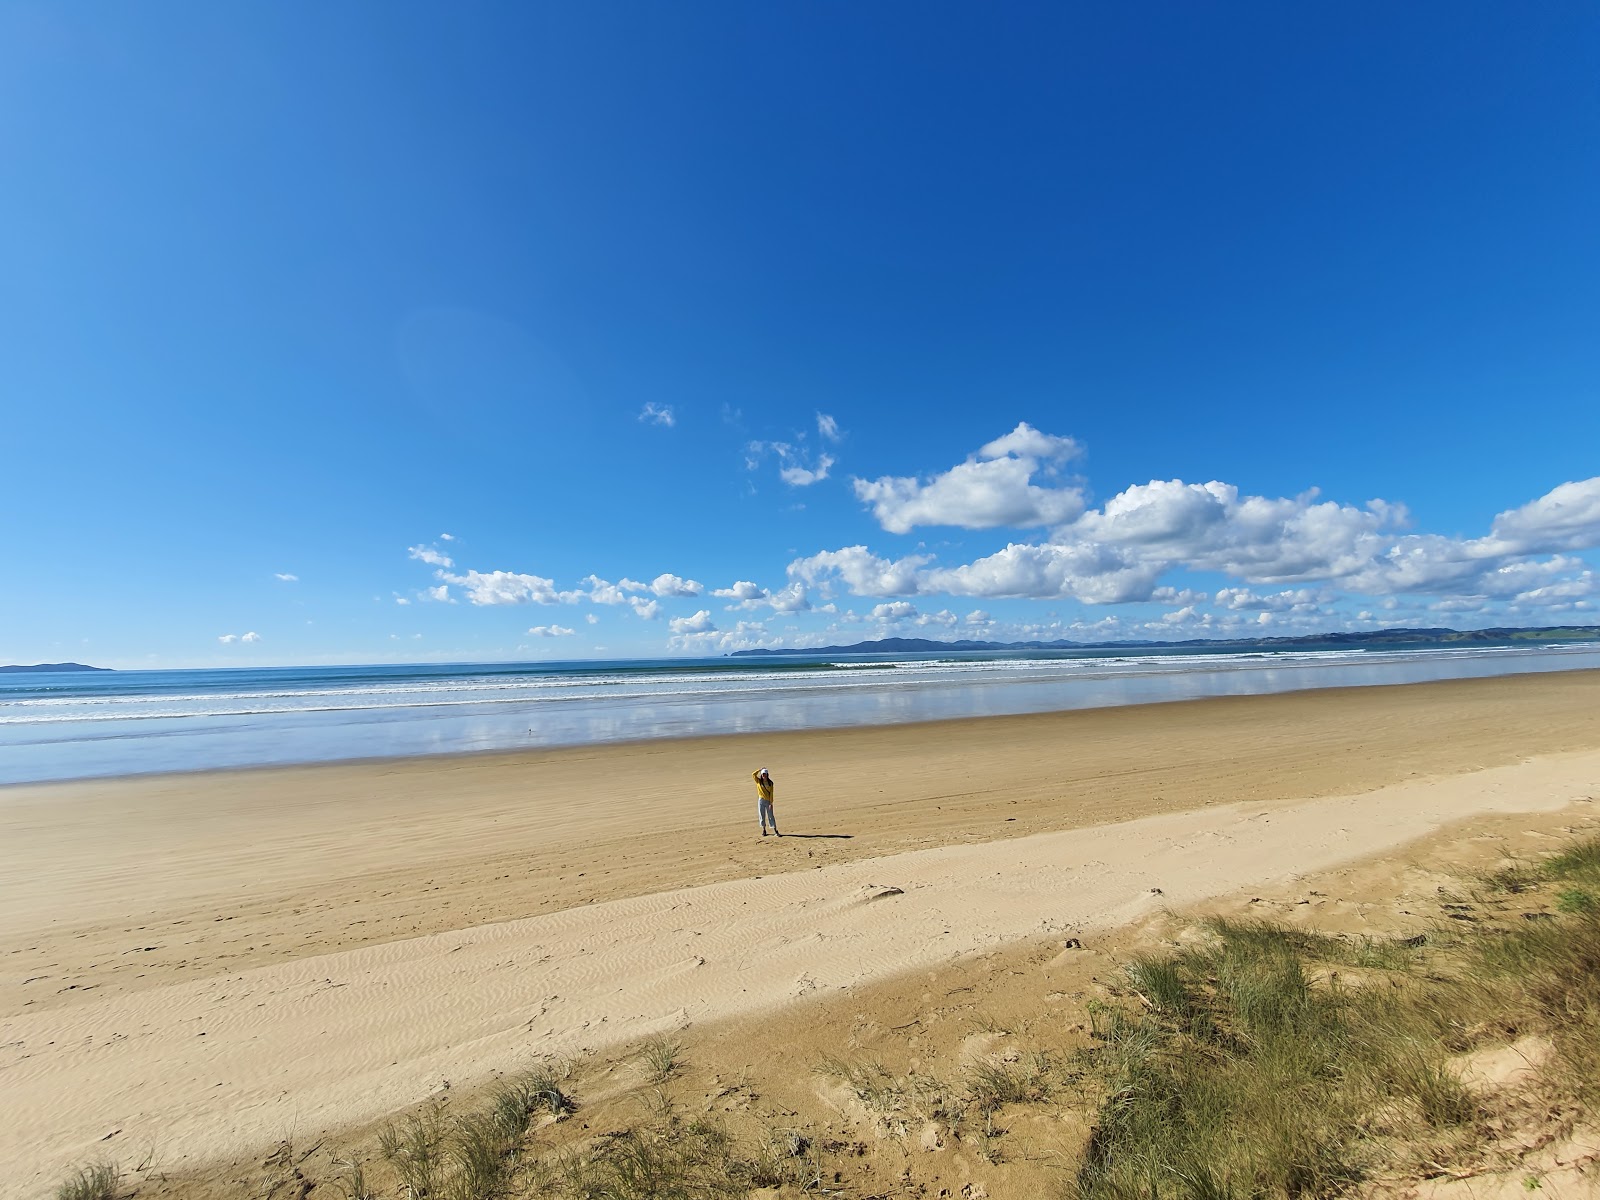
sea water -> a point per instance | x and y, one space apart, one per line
77 725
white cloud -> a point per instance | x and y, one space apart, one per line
799 476
1118 552
649 610
943 619
591 618
863 573
401 600
1565 518
1179 596
430 556
672 585
1027 442
285 577
746 635
896 610
658 414
992 488
1243 599
791 599
602 591
1090 573
508 587
742 590
795 466
249 637
828 428
447 537
977 617
228 638
551 631
699 623
440 594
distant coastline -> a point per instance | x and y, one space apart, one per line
15 667
1376 637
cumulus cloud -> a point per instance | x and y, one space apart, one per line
1565 518
993 488
602 591
447 537
671 585
658 414
791 599
591 618
508 587
285 577
440 594
742 590
895 610
1118 552
861 571
552 631
828 428
746 635
1243 599
649 610
430 556
699 623
228 639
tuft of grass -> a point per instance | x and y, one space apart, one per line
415 1150
97 1181
1578 861
1160 982
670 1157
661 1058
353 1182
1576 900
1245 1078
993 1085
870 1080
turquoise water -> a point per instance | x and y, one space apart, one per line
76 725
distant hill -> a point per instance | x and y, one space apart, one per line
1375 637
54 667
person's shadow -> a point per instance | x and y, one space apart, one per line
836 836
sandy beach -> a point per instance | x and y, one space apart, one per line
204 962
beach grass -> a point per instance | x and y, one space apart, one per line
1253 1068
97 1181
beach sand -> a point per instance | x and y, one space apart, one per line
211 962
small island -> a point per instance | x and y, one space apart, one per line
45 668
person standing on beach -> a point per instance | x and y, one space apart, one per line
765 787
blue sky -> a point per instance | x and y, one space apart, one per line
699 327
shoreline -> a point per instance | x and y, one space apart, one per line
497 754
499 727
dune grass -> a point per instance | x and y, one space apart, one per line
1253 1068
98 1181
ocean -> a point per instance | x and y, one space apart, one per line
79 725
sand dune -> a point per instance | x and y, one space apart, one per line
216 1066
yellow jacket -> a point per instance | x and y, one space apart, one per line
765 785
